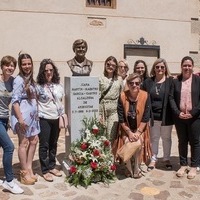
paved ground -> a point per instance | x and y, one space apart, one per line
158 184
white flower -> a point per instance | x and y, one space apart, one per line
95 144
84 154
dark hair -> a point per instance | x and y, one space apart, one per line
146 74
7 60
187 58
41 78
79 42
115 74
28 80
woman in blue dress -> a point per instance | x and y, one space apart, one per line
24 117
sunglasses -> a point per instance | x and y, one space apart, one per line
159 67
132 83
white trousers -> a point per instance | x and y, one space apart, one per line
164 132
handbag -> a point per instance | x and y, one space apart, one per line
63 121
129 149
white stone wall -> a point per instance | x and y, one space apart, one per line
47 29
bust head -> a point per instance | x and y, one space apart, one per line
80 48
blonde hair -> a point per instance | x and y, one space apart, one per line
160 60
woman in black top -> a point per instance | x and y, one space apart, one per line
158 86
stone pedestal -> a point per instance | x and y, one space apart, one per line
81 100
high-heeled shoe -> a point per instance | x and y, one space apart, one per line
32 175
24 178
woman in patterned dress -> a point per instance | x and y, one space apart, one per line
108 103
24 117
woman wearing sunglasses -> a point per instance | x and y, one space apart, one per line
110 86
158 86
134 112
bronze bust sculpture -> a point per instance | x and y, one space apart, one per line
80 65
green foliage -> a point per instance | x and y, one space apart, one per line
92 159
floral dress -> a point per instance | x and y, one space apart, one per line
28 108
108 105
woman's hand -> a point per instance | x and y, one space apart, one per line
21 127
182 115
133 137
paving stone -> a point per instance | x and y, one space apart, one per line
40 186
83 197
158 182
194 189
4 195
27 190
150 191
48 193
156 173
136 196
164 195
176 184
140 186
69 193
185 194
194 182
61 186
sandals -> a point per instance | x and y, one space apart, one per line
139 174
48 177
151 166
192 173
55 172
182 171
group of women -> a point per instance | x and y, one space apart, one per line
132 107
147 108
35 109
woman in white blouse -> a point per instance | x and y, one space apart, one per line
50 93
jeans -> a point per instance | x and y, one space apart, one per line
164 132
48 139
8 148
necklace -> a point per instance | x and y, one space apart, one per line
158 88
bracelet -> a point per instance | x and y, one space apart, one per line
139 130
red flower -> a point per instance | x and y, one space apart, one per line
95 129
96 152
73 169
84 146
93 165
106 143
113 167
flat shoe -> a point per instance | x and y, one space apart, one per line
192 173
48 177
181 172
138 175
168 165
55 172
151 166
